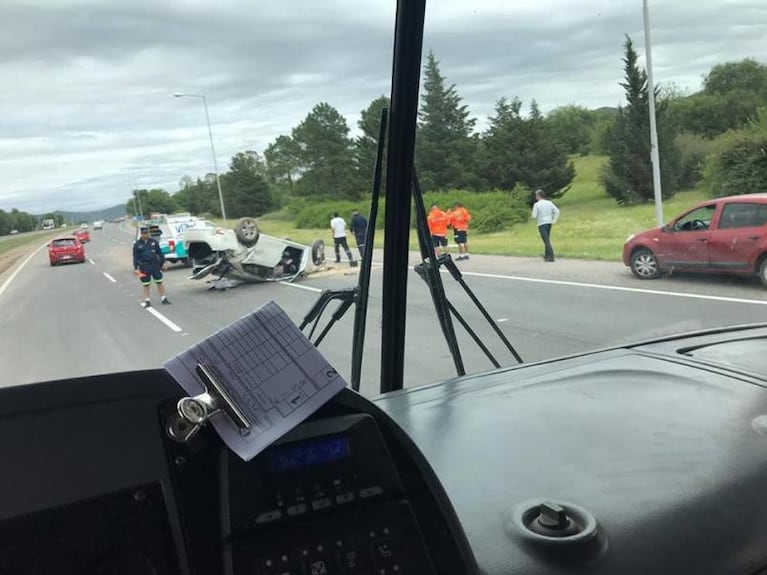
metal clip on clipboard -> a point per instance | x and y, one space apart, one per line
194 412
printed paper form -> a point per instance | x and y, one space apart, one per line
269 368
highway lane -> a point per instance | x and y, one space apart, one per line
85 319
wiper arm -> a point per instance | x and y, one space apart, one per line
449 264
434 279
347 297
363 284
359 294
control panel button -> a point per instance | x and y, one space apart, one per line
347 497
372 491
353 561
383 551
297 509
320 566
268 516
323 503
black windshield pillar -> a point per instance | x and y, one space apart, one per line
406 73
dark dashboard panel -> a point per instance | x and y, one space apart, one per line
668 459
92 485
640 460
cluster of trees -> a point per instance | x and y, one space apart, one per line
320 160
520 148
716 136
17 220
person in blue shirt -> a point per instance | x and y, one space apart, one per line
545 213
148 265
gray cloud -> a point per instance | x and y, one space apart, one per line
87 109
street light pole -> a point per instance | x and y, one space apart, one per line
212 147
654 153
138 201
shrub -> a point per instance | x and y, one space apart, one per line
693 151
739 164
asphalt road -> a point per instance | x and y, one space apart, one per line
83 319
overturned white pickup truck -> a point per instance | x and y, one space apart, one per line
243 254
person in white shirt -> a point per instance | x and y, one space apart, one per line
338 225
546 214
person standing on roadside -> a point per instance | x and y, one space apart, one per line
459 219
359 227
148 265
338 225
545 213
438 222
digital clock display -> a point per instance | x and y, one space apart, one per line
308 453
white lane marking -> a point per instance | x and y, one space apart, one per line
309 288
582 284
110 278
90 260
163 319
7 282
617 288
501 320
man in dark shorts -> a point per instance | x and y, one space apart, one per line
459 219
438 221
148 265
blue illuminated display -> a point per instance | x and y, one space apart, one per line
292 457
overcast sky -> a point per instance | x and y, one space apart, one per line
87 111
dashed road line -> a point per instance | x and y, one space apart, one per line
308 288
163 319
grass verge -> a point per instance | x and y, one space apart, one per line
591 225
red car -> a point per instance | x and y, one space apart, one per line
83 235
725 235
65 250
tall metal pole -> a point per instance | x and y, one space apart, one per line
215 163
654 154
212 147
140 209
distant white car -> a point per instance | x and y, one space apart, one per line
98 225
246 255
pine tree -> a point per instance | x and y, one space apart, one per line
518 150
445 147
628 177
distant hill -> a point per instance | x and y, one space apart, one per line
104 214
606 111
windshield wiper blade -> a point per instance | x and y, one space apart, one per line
363 284
433 278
